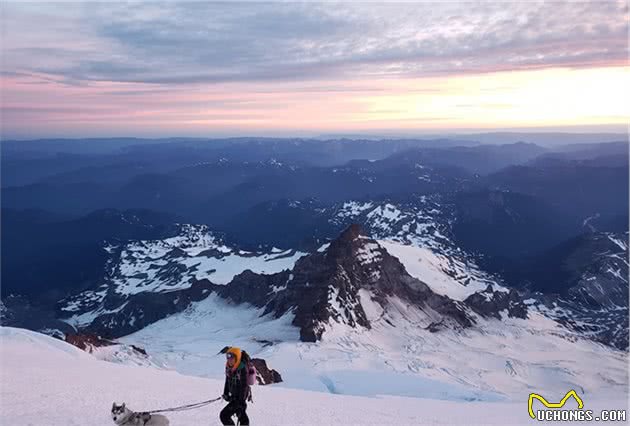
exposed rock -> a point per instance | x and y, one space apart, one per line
139 350
87 341
249 287
490 303
265 375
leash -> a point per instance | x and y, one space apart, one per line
185 407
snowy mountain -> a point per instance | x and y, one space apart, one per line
583 282
402 276
149 280
46 374
402 314
594 298
353 274
422 223
326 286
146 280
358 317
493 360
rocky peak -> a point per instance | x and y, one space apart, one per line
351 233
323 287
346 247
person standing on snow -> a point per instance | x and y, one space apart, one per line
236 390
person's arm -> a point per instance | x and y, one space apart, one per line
225 388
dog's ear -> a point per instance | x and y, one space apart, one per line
123 406
113 406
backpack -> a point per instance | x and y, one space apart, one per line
251 370
251 374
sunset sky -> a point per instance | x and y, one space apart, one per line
193 69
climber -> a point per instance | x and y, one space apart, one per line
239 376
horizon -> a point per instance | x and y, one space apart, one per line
306 70
512 136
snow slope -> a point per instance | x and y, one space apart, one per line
495 360
48 382
189 341
335 367
445 275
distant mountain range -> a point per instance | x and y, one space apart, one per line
110 239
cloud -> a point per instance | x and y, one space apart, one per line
200 43
149 68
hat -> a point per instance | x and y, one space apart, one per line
236 353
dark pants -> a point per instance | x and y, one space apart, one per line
232 408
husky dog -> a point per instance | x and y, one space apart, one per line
123 416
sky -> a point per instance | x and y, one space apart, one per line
149 68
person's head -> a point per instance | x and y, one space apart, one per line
233 357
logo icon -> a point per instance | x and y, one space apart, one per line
548 404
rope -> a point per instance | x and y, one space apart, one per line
185 407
